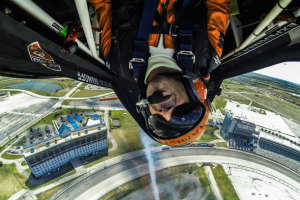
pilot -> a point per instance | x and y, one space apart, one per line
169 48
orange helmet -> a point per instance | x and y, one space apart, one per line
188 121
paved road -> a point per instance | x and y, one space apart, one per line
95 103
67 96
106 180
109 135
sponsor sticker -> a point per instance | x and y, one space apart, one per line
89 79
37 54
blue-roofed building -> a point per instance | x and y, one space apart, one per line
95 117
47 156
78 118
70 142
64 131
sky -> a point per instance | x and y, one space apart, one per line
289 71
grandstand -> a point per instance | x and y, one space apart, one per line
280 151
244 136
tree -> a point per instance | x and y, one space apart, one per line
1 163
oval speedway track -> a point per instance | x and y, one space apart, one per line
86 187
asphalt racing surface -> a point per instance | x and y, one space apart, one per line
93 179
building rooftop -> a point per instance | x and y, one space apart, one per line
64 131
95 117
46 144
269 120
278 140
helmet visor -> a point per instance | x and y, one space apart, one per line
182 121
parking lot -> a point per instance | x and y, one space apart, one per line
20 110
39 133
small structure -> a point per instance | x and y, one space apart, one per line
78 118
95 117
64 131
116 122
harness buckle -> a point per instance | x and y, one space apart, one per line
187 53
135 60
174 30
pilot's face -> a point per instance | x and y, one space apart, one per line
173 91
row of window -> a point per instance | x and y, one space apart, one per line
55 151
59 160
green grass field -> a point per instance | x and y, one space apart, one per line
28 170
219 103
20 142
208 135
67 102
204 181
264 93
221 144
10 82
127 136
23 163
3 147
65 83
90 93
224 184
109 144
8 156
11 181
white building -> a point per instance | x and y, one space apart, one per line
52 153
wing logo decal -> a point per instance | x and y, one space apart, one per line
37 54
